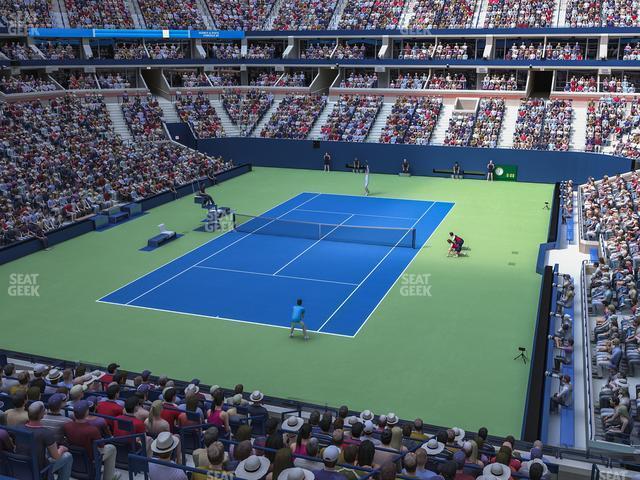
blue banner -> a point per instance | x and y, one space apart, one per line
122 33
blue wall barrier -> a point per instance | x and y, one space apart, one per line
533 166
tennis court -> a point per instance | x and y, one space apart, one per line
341 254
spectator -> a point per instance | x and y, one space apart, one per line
162 448
46 450
81 433
18 415
54 419
563 397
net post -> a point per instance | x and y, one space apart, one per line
233 220
413 238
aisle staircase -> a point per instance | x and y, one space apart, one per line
119 123
169 113
380 122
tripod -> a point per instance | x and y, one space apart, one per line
546 206
522 355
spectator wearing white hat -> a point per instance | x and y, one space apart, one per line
162 448
496 471
330 458
296 473
256 409
367 433
253 468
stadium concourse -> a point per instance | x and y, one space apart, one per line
176 175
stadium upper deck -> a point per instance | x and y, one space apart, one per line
319 15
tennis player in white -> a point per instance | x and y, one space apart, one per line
366 179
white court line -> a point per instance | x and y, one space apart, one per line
375 268
356 214
279 276
218 251
247 322
312 245
405 269
193 250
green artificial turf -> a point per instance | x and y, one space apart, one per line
447 357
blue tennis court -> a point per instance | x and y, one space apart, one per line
341 254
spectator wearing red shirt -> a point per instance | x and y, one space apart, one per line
111 407
129 415
170 411
107 378
80 433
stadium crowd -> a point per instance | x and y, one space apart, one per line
381 14
18 51
304 15
58 50
606 120
583 83
331 445
167 14
224 51
293 79
519 13
350 51
543 125
360 80
144 118
26 83
294 117
29 13
129 51
263 78
75 80
161 51
448 81
412 120
73 165
114 81
406 80
351 118
442 14
98 14
246 109
239 14
504 82
488 123
200 115
261 50
524 52
318 51
617 84
224 78
460 128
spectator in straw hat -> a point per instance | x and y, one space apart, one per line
53 379
496 471
253 468
296 473
162 448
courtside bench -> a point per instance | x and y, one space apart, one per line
161 239
567 414
116 215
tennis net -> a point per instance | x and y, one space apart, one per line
386 236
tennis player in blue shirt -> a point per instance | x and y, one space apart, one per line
297 319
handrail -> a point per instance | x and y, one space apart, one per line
586 357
